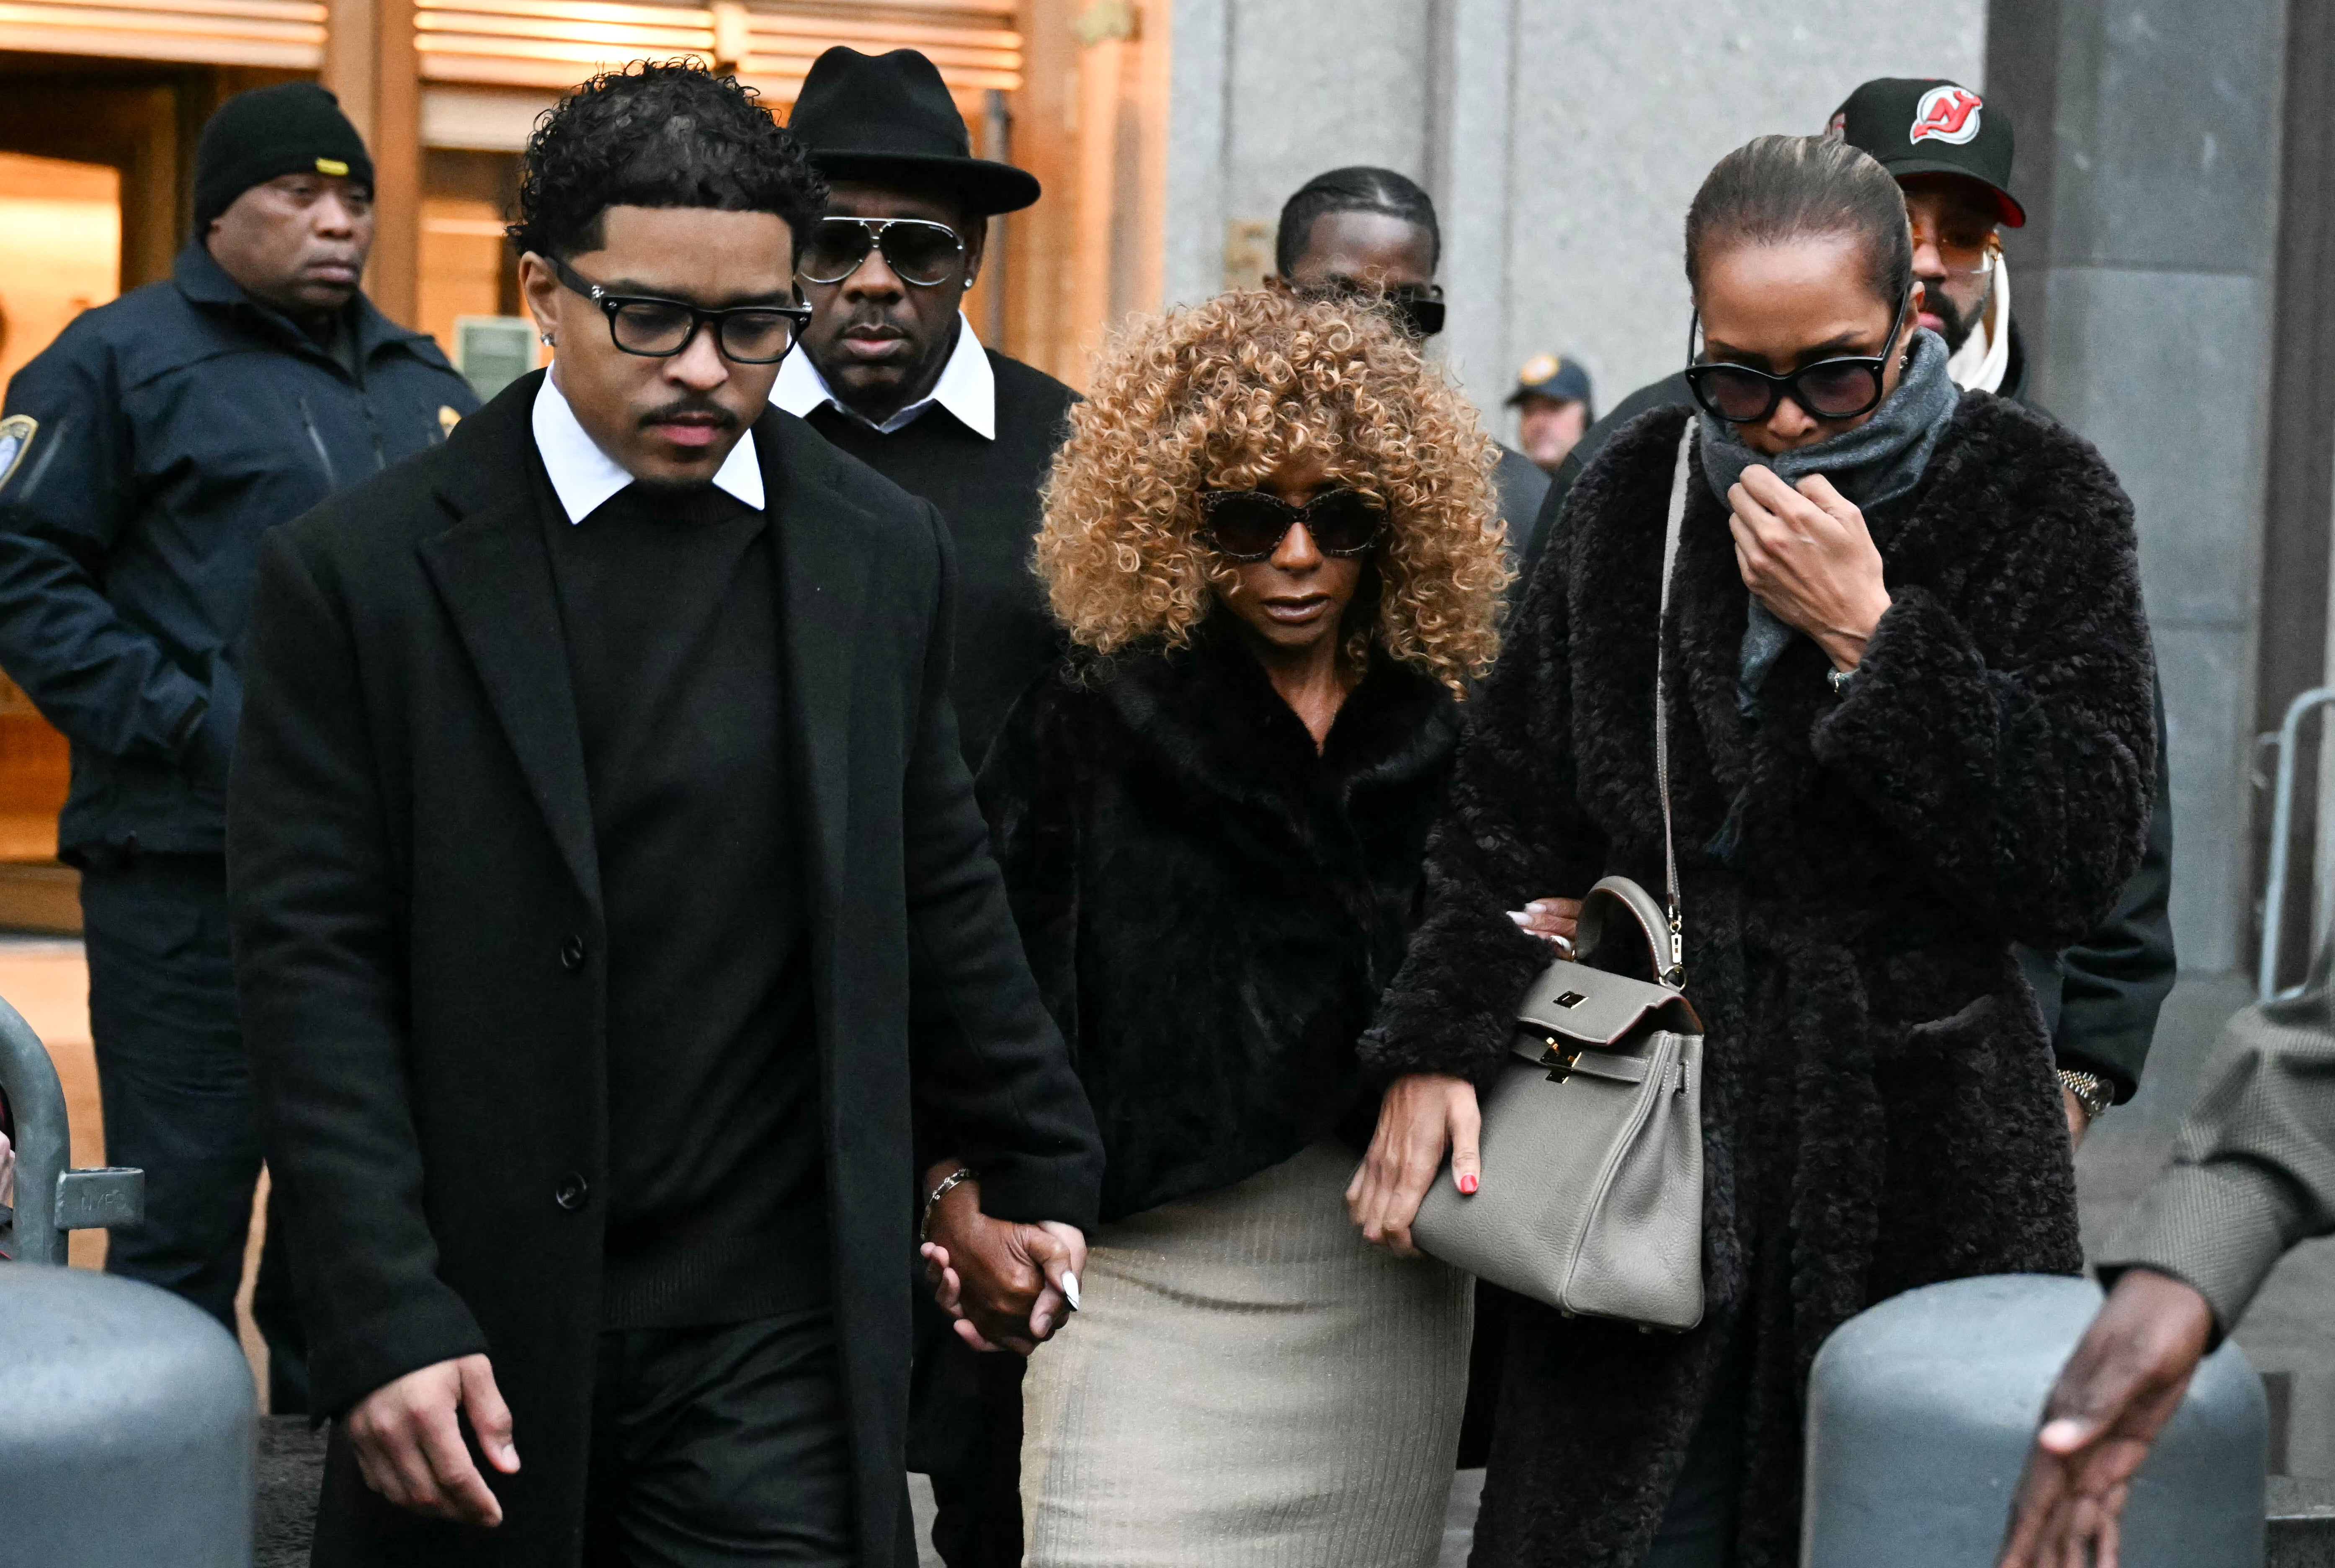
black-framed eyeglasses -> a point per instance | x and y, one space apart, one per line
1831 389
1249 525
1417 307
659 328
916 249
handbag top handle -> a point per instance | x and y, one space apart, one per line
1641 907
1674 974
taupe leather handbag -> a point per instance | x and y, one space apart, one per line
1592 1193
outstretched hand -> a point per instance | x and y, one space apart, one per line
1422 1114
2120 1387
1009 1285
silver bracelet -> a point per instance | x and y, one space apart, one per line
932 1199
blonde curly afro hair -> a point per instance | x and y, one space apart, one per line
1217 396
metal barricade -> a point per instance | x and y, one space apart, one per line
52 1200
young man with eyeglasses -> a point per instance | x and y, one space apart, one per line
892 371
598 824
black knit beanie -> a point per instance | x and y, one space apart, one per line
296 128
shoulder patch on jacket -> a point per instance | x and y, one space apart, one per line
17 433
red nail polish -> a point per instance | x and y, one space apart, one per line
1468 1184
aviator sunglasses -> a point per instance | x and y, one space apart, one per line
1831 389
1248 526
916 249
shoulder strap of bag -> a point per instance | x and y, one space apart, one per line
1675 976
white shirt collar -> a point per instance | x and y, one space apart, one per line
1980 365
583 477
967 389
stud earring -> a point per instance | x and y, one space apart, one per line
546 339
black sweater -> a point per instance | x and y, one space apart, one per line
670 611
988 492
1210 907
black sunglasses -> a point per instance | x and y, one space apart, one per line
1417 307
1830 389
1249 525
916 249
658 328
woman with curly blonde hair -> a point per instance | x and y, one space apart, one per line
1272 541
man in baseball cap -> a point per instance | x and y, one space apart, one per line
1951 150
1553 406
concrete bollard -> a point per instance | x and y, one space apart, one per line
1921 1409
127 1427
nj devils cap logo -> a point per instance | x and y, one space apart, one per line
1946 113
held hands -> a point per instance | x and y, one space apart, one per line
1805 554
2116 1393
1007 1286
1422 1114
409 1440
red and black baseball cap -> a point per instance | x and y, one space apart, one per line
1932 126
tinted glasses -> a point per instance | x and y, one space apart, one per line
1249 525
660 328
917 250
1830 389
1417 307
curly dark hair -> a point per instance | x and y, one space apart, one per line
657 133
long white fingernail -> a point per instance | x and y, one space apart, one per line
1520 917
1071 1289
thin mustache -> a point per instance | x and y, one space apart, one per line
721 417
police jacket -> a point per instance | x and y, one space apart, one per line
172 428
2100 998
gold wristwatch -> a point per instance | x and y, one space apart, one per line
2090 1089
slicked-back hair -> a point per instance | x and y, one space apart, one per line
1777 189
657 133
1358 188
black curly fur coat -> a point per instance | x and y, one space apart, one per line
1880 1108
1211 908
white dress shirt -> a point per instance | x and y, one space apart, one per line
967 389
583 476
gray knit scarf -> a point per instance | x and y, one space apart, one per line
1878 460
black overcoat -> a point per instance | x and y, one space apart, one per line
418 930
1880 1108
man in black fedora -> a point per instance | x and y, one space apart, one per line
891 371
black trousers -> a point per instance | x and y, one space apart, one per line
718 1447
178 1097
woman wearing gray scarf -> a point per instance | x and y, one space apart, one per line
1909 694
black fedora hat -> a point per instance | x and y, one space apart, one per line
888 119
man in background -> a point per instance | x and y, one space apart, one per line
1366 232
1553 406
169 430
890 371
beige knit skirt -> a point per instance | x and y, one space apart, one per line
1251 1384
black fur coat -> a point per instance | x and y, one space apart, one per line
1212 908
1880 1103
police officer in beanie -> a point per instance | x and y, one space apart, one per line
1951 153
890 370
154 442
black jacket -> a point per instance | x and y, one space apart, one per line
987 490
419 941
2099 998
178 424
1880 1109
1211 908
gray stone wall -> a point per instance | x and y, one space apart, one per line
2157 304
1562 140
